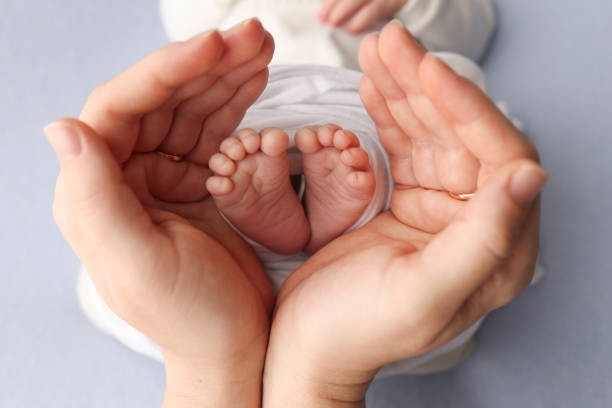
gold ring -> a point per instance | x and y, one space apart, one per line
172 157
461 197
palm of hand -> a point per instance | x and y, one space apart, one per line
376 284
193 268
201 271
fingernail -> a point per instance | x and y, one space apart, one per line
526 183
397 22
434 57
64 140
204 34
246 22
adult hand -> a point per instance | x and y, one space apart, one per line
423 272
144 225
357 15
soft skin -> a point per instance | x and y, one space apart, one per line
163 259
421 273
146 228
357 15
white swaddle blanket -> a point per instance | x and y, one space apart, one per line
299 96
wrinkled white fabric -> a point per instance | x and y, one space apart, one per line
299 96
460 26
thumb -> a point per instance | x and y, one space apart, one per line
98 213
483 236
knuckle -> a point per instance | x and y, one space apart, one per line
499 244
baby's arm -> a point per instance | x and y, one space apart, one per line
357 15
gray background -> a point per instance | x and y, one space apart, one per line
551 60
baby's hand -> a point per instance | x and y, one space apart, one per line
357 15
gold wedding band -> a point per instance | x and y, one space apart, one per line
461 197
172 157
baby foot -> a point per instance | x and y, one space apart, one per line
339 181
251 187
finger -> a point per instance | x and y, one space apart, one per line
503 286
482 128
113 224
517 272
115 108
425 210
482 238
226 119
374 68
325 9
176 124
153 177
403 135
436 141
343 10
397 143
363 18
189 115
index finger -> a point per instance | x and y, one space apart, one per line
115 109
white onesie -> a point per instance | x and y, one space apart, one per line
460 26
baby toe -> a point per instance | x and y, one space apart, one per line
274 142
307 141
222 165
357 158
233 148
218 186
250 140
325 134
343 139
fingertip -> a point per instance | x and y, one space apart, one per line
205 37
250 23
457 97
393 28
526 183
64 139
367 49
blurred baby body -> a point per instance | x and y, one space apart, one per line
462 26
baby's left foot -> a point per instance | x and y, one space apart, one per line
339 181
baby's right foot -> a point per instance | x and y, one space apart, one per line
251 187
339 181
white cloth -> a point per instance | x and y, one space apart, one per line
298 96
460 26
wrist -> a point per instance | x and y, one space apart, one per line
298 378
220 382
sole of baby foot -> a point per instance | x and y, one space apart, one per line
339 181
252 189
